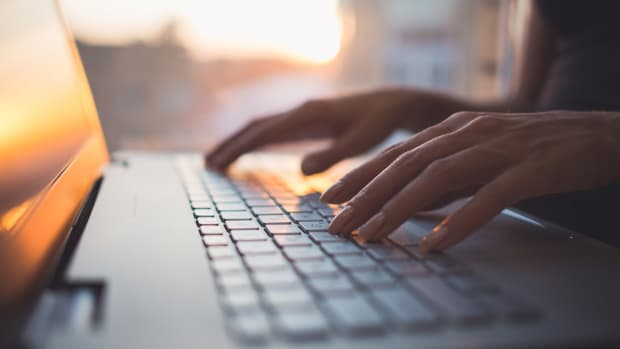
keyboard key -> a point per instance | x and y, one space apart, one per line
416 253
240 301
274 219
281 299
211 230
227 199
313 268
471 284
235 215
276 278
251 329
233 281
214 240
217 252
256 247
292 240
405 310
260 202
341 248
299 253
331 285
231 207
248 235
356 262
201 204
285 197
204 212
442 264
354 315
266 262
242 225
266 210
407 268
223 193
404 237
323 236
282 229
227 265
248 195
385 253
314 226
304 216
456 306
301 326
373 278
297 208
199 197
207 221
329 212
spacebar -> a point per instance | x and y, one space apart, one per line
457 307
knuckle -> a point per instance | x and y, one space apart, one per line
462 116
392 150
438 129
486 122
312 106
408 160
256 121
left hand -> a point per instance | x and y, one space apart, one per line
499 158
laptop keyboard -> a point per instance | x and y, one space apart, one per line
282 276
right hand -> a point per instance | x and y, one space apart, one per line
355 123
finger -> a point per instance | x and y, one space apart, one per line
353 142
449 198
488 202
397 175
214 158
459 171
264 131
355 180
351 183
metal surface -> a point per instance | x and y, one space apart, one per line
142 243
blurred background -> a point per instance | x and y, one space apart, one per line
180 74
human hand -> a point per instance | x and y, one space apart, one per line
355 123
499 158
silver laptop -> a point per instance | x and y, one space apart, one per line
152 250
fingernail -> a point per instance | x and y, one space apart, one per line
433 239
370 229
342 219
332 192
309 166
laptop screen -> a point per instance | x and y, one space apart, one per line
48 132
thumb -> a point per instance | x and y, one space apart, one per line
351 143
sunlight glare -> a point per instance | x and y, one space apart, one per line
308 31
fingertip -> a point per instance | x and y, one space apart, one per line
373 228
431 241
310 166
332 193
339 222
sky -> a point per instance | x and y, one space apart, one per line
304 30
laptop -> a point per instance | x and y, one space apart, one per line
152 250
